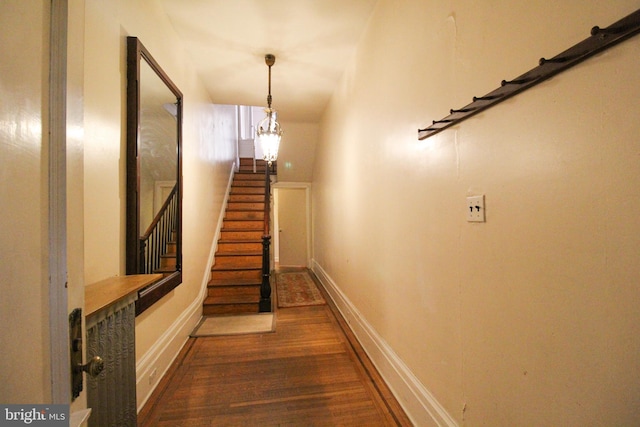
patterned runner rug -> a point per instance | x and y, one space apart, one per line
297 289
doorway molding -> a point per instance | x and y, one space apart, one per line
276 223
57 203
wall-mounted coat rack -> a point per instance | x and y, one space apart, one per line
600 40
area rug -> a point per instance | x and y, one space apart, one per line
297 289
235 325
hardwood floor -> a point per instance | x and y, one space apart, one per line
310 371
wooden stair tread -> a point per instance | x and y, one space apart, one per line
232 268
249 207
238 262
241 250
230 309
215 283
226 277
248 183
256 240
228 224
239 253
241 234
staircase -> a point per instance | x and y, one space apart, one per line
169 257
236 276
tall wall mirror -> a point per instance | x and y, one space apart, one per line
154 174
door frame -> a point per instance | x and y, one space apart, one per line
276 220
57 203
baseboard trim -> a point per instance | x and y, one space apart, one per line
214 243
164 351
419 404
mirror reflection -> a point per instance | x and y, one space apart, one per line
157 145
154 199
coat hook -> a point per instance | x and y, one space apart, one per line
462 110
435 122
519 81
487 97
605 31
556 60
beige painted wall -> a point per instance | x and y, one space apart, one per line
530 318
297 151
208 155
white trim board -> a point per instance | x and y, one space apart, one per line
158 359
214 244
419 404
59 367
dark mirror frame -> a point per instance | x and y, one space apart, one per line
136 52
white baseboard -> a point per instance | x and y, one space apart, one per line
214 243
156 361
419 404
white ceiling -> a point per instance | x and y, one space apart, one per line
311 39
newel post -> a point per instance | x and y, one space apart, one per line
265 287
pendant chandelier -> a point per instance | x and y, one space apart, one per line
269 132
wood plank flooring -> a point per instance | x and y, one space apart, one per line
311 371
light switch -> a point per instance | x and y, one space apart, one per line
475 209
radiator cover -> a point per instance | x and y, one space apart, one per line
112 394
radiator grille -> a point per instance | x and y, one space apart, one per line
112 394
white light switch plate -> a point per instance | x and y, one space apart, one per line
475 209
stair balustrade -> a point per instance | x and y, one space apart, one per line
154 242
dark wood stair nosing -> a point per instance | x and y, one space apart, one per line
228 283
229 268
229 301
238 253
240 241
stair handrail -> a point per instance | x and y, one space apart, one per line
265 287
153 242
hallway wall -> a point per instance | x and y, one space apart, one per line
208 155
297 151
530 318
